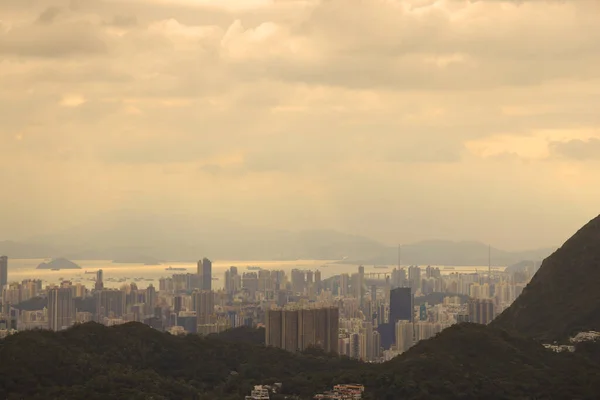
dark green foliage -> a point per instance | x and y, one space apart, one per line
563 298
243 334
90 361
133 361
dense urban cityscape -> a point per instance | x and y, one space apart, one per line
372 316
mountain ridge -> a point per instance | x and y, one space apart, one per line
133 361
327 245
124 234
562 299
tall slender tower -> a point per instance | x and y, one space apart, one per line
150 300
490 264
399 256
205 271
99 280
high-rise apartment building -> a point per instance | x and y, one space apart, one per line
177 304
204 305
298 281
3 272
344 283
414 278
481 311
274 328
232 281
318 287
358 290
110 303
297 330
61 309
309 278
150 301
250 282
367 346
360 293
205 271
99 280
404 335
398 278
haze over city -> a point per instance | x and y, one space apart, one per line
299 199
395 120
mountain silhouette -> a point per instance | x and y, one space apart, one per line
563 298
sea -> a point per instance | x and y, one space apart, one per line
117 274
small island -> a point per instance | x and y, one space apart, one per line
58 264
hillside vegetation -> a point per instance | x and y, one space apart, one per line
563 298
133 361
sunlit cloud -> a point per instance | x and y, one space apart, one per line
308 114
72 100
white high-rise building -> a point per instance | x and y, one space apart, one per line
61 309
404 335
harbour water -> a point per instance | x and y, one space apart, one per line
117 274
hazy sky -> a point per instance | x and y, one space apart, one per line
399 120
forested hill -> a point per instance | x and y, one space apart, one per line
132 361
563 298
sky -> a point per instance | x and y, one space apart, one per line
396 120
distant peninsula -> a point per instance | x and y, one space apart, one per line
146 260
59 263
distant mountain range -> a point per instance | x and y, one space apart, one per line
175 238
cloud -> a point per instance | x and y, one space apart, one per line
123 21
52 41
72 100
49 15
384 117
577 149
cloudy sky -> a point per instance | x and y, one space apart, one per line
399 120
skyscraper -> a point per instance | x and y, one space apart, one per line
401 308
110 303
481 311
404 335
360 290
398 278
297 330
318 281
366 342
205 270
177 304
414 278
290 330
231 281
344 283
150 300
99 280
401 305
298 281
3 272
61 309
204 305
274 328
